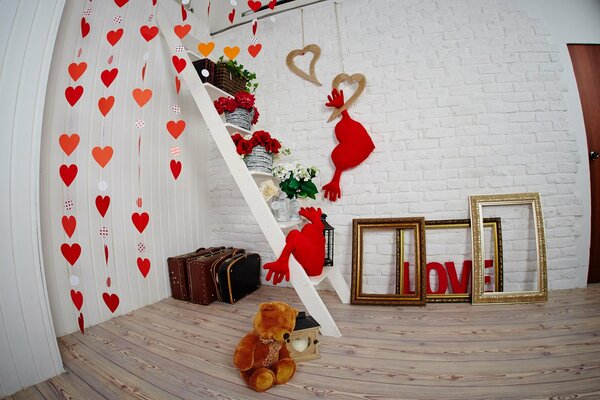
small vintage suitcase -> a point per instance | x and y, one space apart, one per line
200 277
237 277
178 272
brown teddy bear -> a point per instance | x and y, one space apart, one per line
262 355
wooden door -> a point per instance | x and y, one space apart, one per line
586 64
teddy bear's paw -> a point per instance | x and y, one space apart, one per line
261 379
284 370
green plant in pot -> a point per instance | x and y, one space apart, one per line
239 71
296 180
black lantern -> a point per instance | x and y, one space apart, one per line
328 233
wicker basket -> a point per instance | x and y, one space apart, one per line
241 117
226 81
259 160
208 65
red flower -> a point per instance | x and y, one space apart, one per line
244 147
218 106
256 115
229 105
237 138
245 100
273 146
262 137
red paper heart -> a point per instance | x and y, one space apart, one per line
254 5
68 173
76 70
102 203
77 299
71 253
142 97
102 155
106 261
178 63
232 15
254 49
73 94
176 128
183 13
121 3
111 301
140 221
69 224
108 76
254 27
177 84
272 4
80 323
105 104
144 71
85 28
149 33
175 168
113 37
108 281
182 30
68 143
143 265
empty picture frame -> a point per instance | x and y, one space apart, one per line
375 258
524 257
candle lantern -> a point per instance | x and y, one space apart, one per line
304 343
328 233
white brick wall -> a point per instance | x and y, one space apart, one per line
463 97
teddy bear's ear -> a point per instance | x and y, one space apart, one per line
265 306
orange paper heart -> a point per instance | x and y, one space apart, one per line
311 76
182 30
105 104
76 70
175 128
68 143
359 79
206 48
102 155
231 52
142 96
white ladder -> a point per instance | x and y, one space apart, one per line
304 286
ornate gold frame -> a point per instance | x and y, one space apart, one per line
358 227
478 284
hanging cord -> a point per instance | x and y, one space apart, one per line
339 35
302 23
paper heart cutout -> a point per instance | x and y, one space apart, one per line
177 84
272 4
254 5
254 49
254 26
111 301
206 48
175 128
81 323
359 79
144 71
102 204
143 265
69 223
231 16
68 173
77 299
106 261
85 28
178 63
182 30
102 155
113 37
71 253
68 143
105 104
142 96
73 94
175 168
76 70
140 221
121 3
149 33
110 59
183 12
108 76
311 76
108 281
231 52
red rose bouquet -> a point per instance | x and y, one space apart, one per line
240 100
258 138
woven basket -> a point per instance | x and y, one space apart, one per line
259 160
208 65
228 82
241 117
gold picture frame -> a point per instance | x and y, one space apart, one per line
359 227
476 204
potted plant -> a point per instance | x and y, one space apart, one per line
258 150
295 181
233 77
239 110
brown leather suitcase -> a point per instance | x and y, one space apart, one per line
178 272
201 284
237 276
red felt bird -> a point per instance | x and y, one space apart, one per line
354 148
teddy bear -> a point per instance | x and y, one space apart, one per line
262 355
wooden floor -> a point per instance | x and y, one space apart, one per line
173 349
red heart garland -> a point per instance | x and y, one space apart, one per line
77 299
68 143
68 173
175 168
140 221
177 84
232 15
76 70
111 301
108 281
73 94
178 63
102 204
272 4
69 224
80 323
113 37
254 5
108 76
149 33
176 128
254 49
106 260
105 104
85 28
254 27
121 3
71 253
182 30
143 265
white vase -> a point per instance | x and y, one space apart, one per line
282 209
294 208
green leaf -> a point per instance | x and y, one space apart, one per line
309 187
294 184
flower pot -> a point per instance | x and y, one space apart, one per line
259 160
282 209
241 117
226 81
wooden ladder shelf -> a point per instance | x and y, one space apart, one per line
304 286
